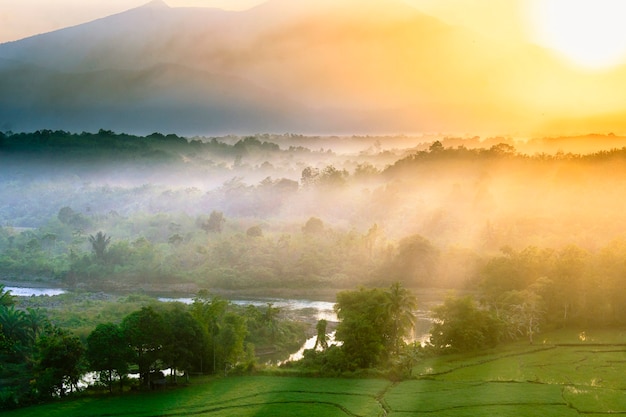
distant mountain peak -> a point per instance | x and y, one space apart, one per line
157 4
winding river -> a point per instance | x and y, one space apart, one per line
296 308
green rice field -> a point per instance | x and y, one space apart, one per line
563 376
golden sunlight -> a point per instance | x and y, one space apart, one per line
589 33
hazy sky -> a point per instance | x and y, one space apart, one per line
580 76
587 32
22 18
19 19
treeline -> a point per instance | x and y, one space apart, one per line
110 147
106 144
213 251
520 294
40 360
467 196
578 285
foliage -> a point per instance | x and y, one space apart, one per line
99 244
363 326
321 339
313 226
6 299
400 306
108 352
461 326
59 365
373 323
414 263
184 338
214 223
144 332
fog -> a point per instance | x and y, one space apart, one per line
466 198
331 68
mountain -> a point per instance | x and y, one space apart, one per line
308 66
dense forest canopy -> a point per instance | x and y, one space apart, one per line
288 210
109 210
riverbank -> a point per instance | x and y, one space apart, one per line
184 290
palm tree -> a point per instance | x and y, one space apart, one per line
13 325
321 335
271 319
6 298
99 244
36 320
400 307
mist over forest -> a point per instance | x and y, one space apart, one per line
299 211
528 238
438 216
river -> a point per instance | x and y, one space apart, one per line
299 309
29 292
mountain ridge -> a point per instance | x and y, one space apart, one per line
361 67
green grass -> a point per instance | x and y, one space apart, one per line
568 379
241 396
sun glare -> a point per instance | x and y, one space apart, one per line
589 33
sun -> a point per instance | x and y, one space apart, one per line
589 33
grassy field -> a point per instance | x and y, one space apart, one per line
565 376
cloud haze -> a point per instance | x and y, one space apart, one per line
348 67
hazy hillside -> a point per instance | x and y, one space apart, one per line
349 67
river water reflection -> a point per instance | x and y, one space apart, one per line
28 292
297 308
319 309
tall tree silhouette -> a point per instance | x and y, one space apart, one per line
400 307
99 244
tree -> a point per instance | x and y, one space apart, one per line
415 261
99 244
436 147
209 312
400 307
36 321
321 340
364 326
371 237
309 176
69 217
374 323
461 326
145 332
254 231
332 177
58 367
270 319
525 312
185 338
313 226
6 298
15 330
108 352
230 339
214 223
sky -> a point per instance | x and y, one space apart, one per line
588 33
19 19
579 77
